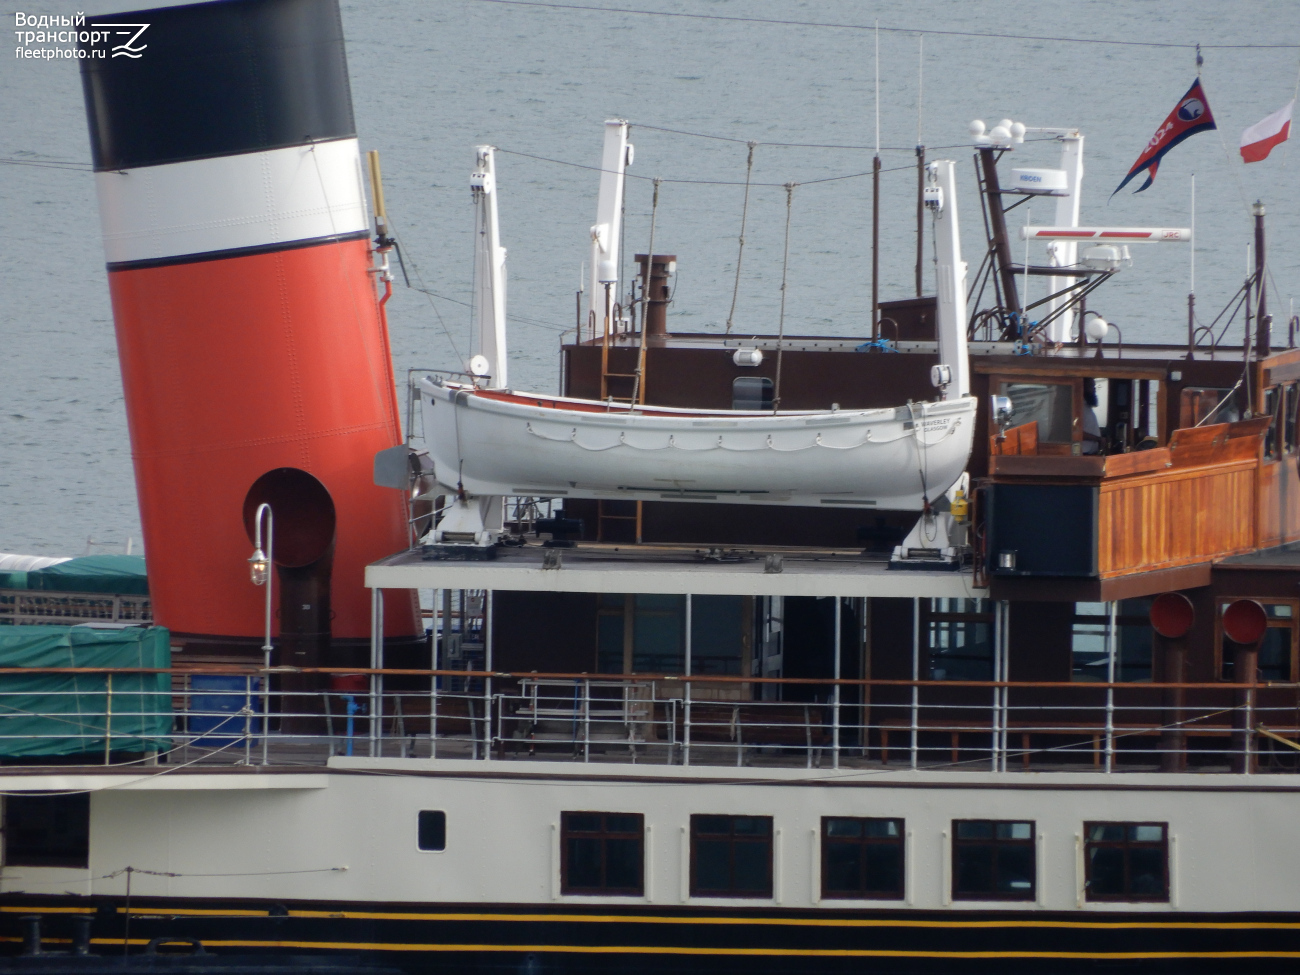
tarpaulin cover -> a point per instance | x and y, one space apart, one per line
66 714
93 573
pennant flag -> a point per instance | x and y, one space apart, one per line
1191 115
1258 140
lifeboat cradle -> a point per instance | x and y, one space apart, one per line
488 442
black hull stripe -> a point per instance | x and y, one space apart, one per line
289 245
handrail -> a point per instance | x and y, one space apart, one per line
237 670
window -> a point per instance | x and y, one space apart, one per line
1272 404
47 831
602 853
751 393
992 860
1132 641
1196 405
1127 861
431 830
731 856
641 634
862 858
1289 418
1277 650
718 631
1051 405
960 635
646 634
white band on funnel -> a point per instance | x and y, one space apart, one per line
229 203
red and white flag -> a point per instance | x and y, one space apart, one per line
1258 140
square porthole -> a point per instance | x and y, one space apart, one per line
431 831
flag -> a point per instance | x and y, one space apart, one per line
1191 115
1258 140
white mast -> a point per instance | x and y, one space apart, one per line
489 272
1065 253
953 372
609 215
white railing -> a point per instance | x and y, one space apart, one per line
225 716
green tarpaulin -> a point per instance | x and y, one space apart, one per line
67 714
93 573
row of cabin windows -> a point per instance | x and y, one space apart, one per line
646 633
603 853
862 858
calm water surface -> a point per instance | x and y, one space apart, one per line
431 80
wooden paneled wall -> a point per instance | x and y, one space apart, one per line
1201 505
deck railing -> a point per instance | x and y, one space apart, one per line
35 606
223 716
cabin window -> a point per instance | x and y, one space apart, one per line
47 831
602 853
862 858
993 860
431 830
1272 403
646 634
1050 405
960 639
1126 861
718 634
1196 405
1090 655
751 393
1278 648
731 856
1289 405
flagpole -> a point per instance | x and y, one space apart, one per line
1191 282
875 209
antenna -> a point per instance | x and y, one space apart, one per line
877 88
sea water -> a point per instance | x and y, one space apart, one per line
432 80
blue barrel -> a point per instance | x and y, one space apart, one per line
215 703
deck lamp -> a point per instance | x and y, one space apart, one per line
259 570
259 565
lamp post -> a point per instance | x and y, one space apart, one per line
259 566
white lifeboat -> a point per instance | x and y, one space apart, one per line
498 442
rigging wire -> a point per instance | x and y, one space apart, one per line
785 266
891 30
740 253
401 249
637 382
702 182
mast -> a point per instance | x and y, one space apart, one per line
607 230
941 200
489 271
1263 323
998 226
1065 253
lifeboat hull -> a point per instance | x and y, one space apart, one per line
495 442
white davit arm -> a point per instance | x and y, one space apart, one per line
941 199
609 212
489 271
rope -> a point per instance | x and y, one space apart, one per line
785 267
744 214
645 299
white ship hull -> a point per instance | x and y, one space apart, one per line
492 442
